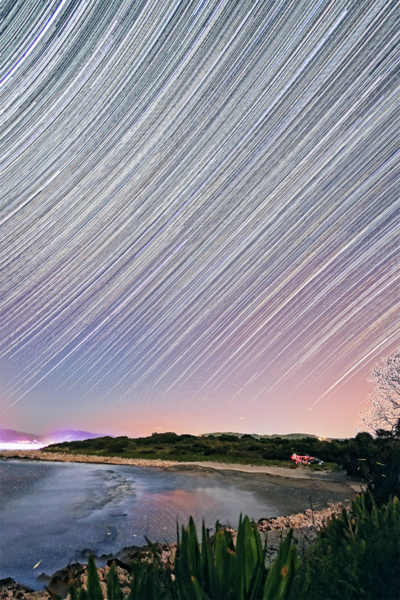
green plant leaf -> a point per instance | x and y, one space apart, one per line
194 552
281 574
247 552
83 595
72 592
113 586
93 581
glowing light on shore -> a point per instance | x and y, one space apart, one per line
20 446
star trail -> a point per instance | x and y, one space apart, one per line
199 212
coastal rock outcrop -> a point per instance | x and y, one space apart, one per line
11 589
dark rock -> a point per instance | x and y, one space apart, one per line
119 563
9 587
7 581
62 580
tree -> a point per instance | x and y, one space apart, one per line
383 413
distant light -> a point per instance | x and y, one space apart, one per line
20 446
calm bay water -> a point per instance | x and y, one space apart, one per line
53 512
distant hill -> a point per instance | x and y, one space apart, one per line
10 435
290 436
69 435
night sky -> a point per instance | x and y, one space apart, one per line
199 213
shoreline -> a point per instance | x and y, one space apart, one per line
85 458
301 473
288 491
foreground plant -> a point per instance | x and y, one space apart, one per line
218 570
214 570
357 556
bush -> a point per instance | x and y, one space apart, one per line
275 452
225 437
159 438
117 445
198 447
115 448
220 450
254 448
356 556
384 471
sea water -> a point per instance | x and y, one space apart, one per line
51 513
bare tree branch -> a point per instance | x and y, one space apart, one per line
384 409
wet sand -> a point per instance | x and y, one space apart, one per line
292 490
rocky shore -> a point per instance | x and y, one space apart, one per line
305 531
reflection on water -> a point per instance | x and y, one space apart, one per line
54 511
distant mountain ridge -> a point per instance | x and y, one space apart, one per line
69 435
10 435
289 436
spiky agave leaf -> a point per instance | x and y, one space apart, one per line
73 594
113 586
208 564
248 558
281 574
93 581
83 595
194 552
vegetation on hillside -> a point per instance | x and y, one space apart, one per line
224 448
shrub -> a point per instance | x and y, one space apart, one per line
117 445
254 448
220 450
356 556
225 437
158 438
384 471
198 447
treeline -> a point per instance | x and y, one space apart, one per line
190 447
